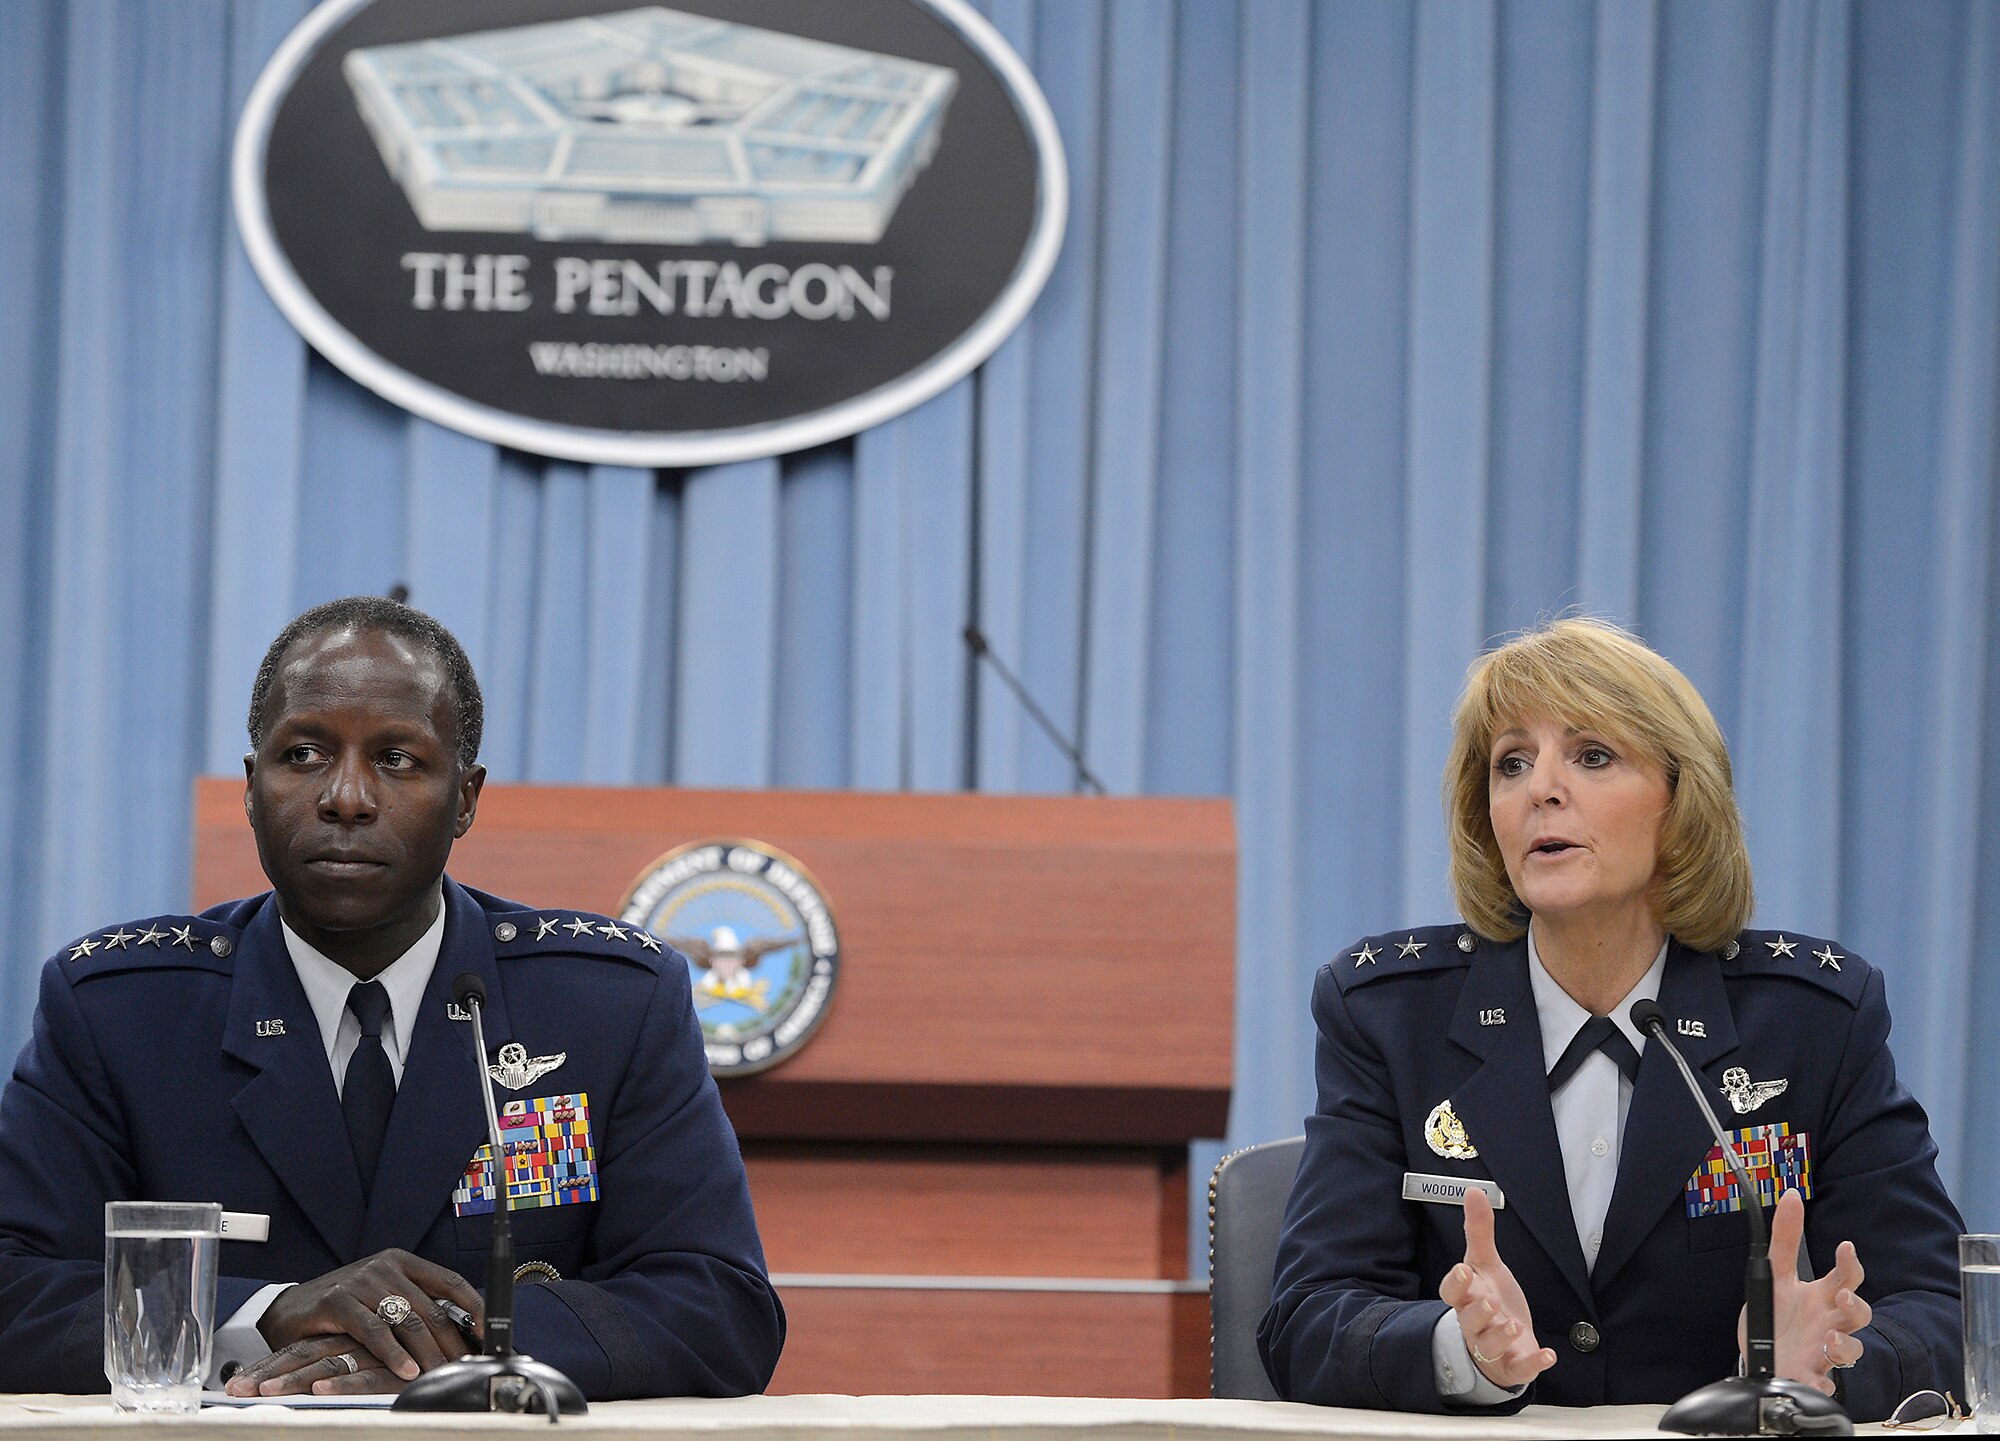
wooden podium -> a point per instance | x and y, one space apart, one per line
973 1178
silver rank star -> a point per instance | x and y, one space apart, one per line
515 1070
645 938
1365 956
183 936
545 927
1746 1095
151 936
580 927
1781 947
83 948
611 931
119 939
1409 947
1829 956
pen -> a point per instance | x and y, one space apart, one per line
462 1318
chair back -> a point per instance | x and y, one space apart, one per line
1246 1207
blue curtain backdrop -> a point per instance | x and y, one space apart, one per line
1380 329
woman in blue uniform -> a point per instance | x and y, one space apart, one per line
1597 1256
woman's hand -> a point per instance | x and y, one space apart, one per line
1492 1312
1814 1321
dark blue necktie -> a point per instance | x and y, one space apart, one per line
369 1091
1599 1033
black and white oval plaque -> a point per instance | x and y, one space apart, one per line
661 235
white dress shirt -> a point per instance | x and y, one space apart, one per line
1590 1111
238 1342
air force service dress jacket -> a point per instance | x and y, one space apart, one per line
1406 1023
179 1059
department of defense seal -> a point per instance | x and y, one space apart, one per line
762 950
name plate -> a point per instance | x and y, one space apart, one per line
245 1226
1449 1190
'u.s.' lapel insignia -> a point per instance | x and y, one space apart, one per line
1746 1095
514 1070
1444 1133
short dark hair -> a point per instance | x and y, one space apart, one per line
372 612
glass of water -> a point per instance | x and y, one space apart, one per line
1979 1282
159 1301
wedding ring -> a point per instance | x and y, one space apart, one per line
1480 1356
393 1309
346 1360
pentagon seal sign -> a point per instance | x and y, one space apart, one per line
762 950
651 234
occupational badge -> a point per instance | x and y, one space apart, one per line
762 950
516 1071
1746 1095
551 1160
1444 1133
1777 1161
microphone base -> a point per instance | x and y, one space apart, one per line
1756 1406
513 1384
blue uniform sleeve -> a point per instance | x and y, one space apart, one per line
59 1140
673 1299
1876 1184
1346 1325
64 1152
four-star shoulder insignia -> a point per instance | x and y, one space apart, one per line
1365 956
1782 947
550 928
1410 947
1829 956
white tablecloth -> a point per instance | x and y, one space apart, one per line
865 1418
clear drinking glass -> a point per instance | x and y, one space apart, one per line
159 1301
1979 1282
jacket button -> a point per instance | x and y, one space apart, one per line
221 945
1583 1336
505 931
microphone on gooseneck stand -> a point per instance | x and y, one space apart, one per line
1757 1403
976 642
500 1378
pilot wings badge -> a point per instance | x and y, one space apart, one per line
1746 1095
515 1070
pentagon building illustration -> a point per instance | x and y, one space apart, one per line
651 126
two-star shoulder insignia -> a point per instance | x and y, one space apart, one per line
1400 953
1806 958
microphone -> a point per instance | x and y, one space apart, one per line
1757 1403
500 1378
975 641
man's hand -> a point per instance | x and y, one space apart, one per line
1814 1321
1492 1311
327 1337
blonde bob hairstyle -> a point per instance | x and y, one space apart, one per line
1592 675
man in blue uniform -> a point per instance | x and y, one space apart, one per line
296 1056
